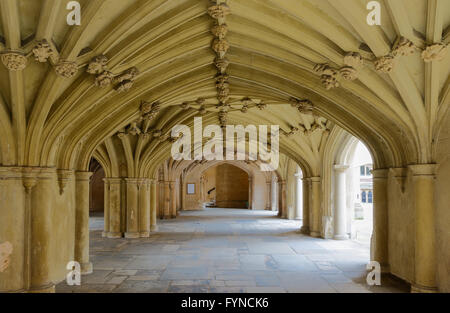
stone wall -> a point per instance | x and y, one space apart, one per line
97 192
442 193
232 187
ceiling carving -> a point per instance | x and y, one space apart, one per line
64 89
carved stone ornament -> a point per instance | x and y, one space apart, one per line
404 47
134 130
304 106
244 108
146 107
328 76
220 31
42 51
220 46
385 64
202 110
293 131
124 86
262 105
66 69
200 101
223 117
14 61
129 74
354 59
185 105
157 134
348 73
150 110
223 98
221 64
222 81
219 12
436 52
97 65
104 79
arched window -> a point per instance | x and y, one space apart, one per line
370 197
363 197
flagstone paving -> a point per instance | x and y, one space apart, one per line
227 250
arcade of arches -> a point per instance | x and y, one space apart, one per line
104 96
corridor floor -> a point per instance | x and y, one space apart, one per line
225 250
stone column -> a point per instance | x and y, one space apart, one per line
269 196
166 213
298 196
106 208
379 244
283 207
114 203
274 195
340 207
82 221
144 209
250 193
305 227
315 206
132 209
173 200
424 176
15 219
153 206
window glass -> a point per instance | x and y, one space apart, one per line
370 197
363 170
364 197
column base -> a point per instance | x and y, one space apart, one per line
415 288
114 235
305 230
133 235
315 234
154 228
340 237
43 289
144 234
86 268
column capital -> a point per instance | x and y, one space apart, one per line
398 172
132 181
340 168
316 179
83 176
112 180
381 173
423 169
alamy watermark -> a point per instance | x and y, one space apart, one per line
374 276
231 147
73 278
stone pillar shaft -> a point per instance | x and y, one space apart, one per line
153 206
132 208
315 206
269 196
144 209
166 213
379 249
82 221
340 207
173 200
305 227
106 228
425 228
250 193
114 204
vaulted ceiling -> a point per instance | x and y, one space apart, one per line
307 65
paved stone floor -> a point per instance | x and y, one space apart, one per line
225 250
